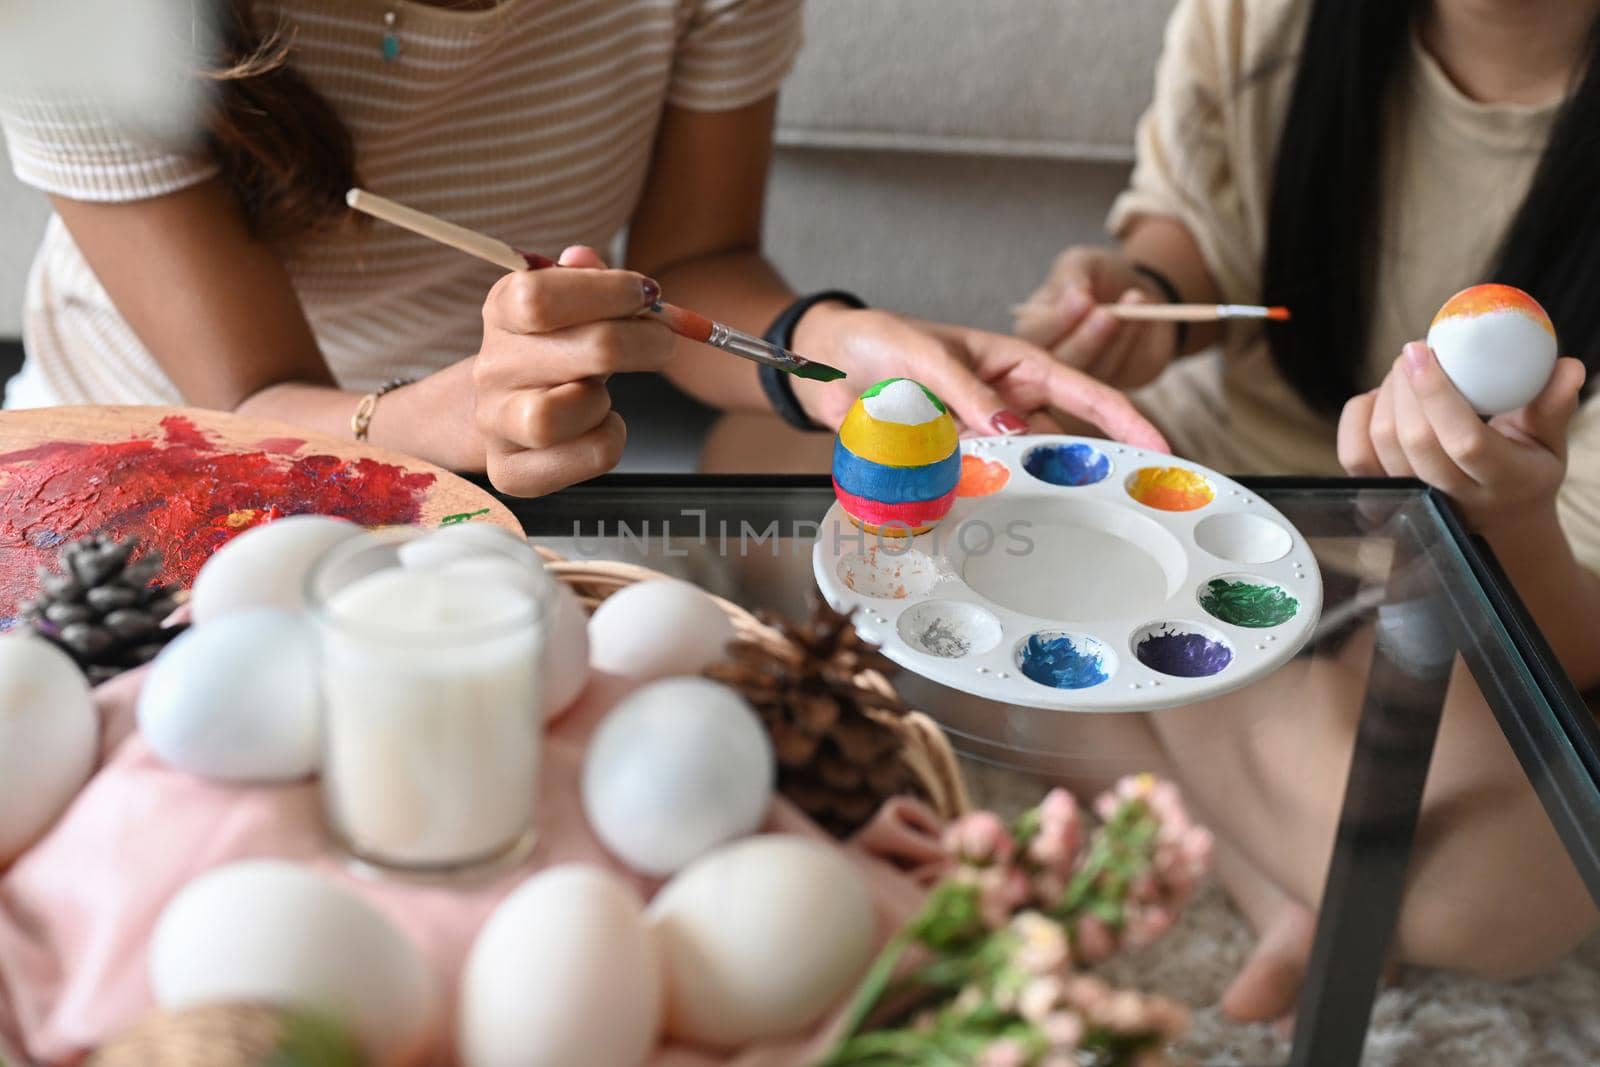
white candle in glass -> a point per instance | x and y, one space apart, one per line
431 684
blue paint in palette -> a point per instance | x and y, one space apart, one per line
1063 661
1070 465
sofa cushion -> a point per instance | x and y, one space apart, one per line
1053 79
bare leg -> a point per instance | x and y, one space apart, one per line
1266 986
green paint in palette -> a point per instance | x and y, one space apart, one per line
1249 604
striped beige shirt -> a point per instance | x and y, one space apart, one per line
533 121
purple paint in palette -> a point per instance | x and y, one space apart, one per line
1182 654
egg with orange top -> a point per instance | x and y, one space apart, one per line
1497 345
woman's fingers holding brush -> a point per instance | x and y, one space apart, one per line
546 418
537 471
544 301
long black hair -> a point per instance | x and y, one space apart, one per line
1320 259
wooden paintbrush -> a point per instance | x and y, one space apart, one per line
681 321
1172 312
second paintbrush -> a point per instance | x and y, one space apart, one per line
681 321
1172 312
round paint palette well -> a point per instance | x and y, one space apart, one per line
1240 537
1065 660
1073 465
889 572
1247 601
950 629
1161 583
1171 488
1182 650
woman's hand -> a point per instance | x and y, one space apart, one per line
1063 317
993 384
551 338
1417 424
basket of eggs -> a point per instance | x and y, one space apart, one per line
844 740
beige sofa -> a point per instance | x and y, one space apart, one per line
933 156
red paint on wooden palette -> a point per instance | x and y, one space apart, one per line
183 495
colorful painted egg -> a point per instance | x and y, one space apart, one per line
896 463
1497 345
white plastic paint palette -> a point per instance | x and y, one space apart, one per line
1082 575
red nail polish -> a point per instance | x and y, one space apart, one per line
535 260
1008 423
652 292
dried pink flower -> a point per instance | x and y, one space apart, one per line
980 838
1059 839
1001 891
1048 888
1093 941
1063 1029
1122 1012
1146 926
1003 1053
1042 947
1085 992
1040 997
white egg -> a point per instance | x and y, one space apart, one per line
676 769
48 736
564 974
473 549
566 651
237 699
280 933
267 566
760 938
658 629
1497 345
466 540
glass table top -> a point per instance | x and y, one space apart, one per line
1314 776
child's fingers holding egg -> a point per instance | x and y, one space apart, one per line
1422 426
1547 419
1385 431
1356 454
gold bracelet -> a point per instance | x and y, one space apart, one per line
361 421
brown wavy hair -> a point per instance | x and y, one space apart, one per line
286 155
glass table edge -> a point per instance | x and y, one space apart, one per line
1570 714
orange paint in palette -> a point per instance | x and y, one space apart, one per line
981 477
1170 489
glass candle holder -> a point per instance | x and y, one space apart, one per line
431 684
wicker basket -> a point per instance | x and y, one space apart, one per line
923 747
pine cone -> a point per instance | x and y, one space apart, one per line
836 762
101 607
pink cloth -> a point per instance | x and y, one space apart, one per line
77 909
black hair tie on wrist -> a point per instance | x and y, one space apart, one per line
1170 291
778 384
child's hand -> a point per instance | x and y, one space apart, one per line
1417 424
551 338
1062 316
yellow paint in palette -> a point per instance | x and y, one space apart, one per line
1170 489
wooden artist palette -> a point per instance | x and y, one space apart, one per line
1082 575
185 481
